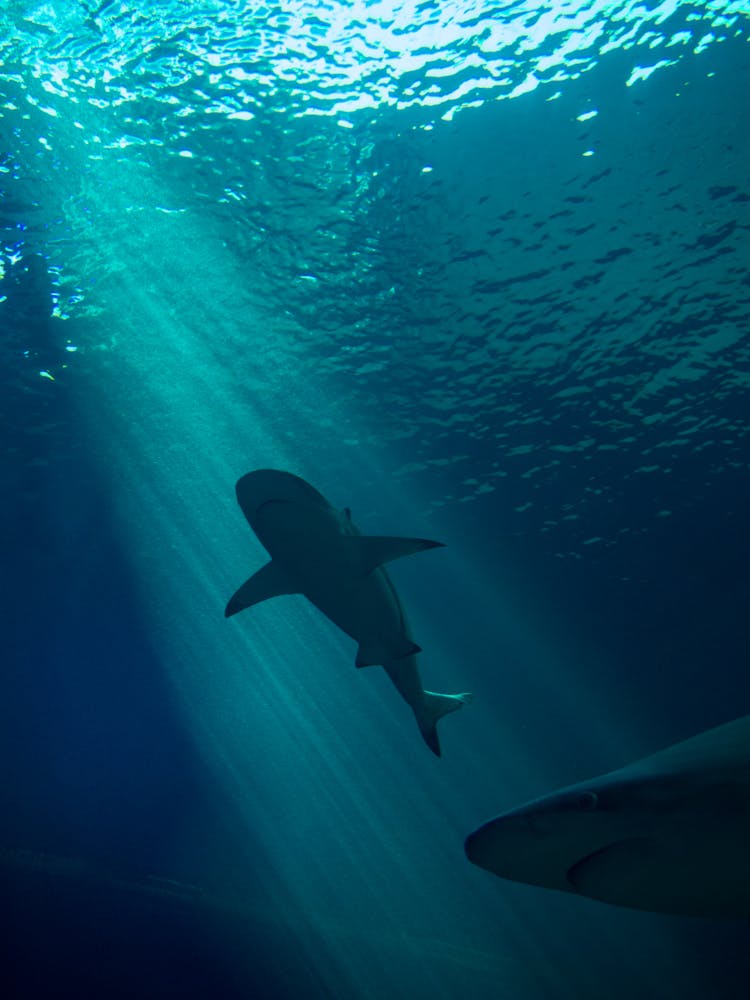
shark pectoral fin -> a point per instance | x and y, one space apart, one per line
645 873
374 654
371 551
269 581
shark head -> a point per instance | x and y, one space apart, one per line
539 843
289 516
667 834
265 486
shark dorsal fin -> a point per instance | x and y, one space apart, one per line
269 581
374 550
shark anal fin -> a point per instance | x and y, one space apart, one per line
371 551
269 581
370 656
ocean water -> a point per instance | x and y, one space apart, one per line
479 272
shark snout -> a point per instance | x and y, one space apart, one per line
496 845
538 843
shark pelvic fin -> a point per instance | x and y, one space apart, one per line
371 551
269 581
372 655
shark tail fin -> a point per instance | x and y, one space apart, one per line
436 706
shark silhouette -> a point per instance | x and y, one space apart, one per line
669 833
317 551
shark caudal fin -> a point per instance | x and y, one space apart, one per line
435 707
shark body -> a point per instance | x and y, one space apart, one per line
316 550
668 834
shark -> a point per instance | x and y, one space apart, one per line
666 834
317 550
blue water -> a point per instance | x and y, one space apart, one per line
480 273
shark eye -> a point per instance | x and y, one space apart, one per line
587 801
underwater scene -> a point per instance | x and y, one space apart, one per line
363 363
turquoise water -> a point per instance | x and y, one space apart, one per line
478 272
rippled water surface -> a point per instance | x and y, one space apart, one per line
554 273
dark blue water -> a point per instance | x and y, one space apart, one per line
481 275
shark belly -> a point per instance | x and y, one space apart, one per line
365 609
310 544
